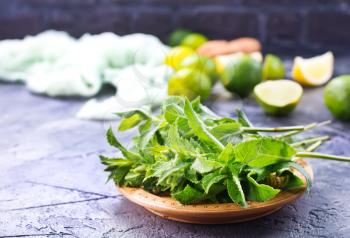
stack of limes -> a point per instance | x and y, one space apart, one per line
194 74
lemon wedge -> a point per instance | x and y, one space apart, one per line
278 97
313 71
222 60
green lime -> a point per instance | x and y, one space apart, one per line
176 55
241 75
194 40
273 67
201 63
278 97
190 83
177 36
337 97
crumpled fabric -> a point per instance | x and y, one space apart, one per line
137 86
56 64
17 57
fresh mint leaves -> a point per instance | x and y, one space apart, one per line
195 156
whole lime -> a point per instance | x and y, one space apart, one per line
194 40
241 75
201 63
177 36
337 97
273 67
190 83
175 56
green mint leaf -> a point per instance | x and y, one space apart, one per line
189 195
284 179
149 134
115 162
260 192
129 122
176 142
299 168
227 133
210 179
227 154
173 100
200 129
144 112
133 179
112 140
235 191
263 151
202 165
172 112
118 175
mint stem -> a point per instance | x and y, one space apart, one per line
273 129
322 156
314 146
306 128
310 140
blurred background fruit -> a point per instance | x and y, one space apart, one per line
278 97
222 60
313 71
273 67
337 97
176 55
190 83
221 47
241 75
194 40
202 64
177 36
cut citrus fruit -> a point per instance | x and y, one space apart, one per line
313 71
223 60
278 97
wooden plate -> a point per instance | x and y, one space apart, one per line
169 208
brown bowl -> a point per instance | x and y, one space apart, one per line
169 208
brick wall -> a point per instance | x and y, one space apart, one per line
314 25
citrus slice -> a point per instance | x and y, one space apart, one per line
278 97
313 71
223 60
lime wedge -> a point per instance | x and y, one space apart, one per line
278 97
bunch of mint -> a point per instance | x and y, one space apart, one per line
195 156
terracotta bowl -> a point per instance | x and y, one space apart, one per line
169 208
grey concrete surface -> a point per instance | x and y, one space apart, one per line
53 185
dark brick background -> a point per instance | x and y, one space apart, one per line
282 25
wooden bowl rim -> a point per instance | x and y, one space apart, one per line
154 202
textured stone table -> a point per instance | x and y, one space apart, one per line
52 183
